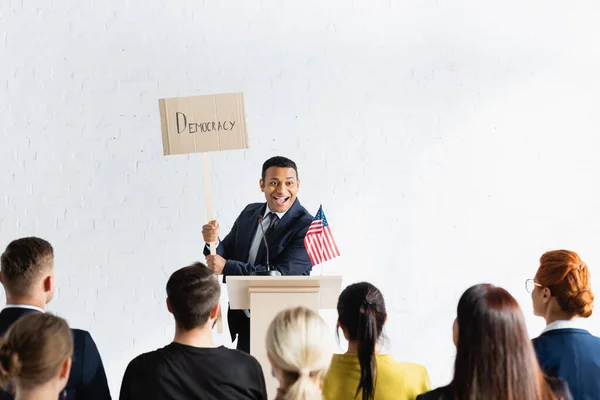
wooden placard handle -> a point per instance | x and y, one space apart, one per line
209 215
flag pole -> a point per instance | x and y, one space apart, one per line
322 242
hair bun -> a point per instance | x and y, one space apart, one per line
582 303
10 364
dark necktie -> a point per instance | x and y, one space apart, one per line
272 219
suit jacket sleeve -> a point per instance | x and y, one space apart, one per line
94 385
226 246
293 260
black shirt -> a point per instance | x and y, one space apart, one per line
182 372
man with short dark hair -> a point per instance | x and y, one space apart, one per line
192 367
284 224
27 274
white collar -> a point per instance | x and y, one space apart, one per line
27 306
576 323
279 214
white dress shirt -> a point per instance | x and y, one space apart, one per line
576 323
30 307
258 235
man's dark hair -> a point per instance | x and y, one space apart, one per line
280 162
22 263
193 292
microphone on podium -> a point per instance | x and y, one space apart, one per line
269 271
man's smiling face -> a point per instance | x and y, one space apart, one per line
280 186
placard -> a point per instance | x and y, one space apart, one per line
200 124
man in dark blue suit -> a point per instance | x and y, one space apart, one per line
27 274
242 252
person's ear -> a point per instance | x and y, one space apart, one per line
1 278
261 183
546 295
298 183
65 369
169 306
339 324
455 332
215 311
48 284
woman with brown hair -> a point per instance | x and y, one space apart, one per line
494 356
35 357
562 295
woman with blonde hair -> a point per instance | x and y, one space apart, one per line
562 295
35 357
299 349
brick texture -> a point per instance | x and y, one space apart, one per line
450 142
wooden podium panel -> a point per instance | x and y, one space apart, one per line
265 296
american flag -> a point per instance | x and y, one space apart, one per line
319 241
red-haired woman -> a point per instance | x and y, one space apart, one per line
562 295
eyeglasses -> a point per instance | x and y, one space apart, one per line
530 284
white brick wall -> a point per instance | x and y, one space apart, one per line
451 142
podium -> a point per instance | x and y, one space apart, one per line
266 296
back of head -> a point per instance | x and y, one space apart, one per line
298 345
568 278
279 162
362 314
192 293
495 358
23 262
33 350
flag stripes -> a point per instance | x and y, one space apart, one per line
319 241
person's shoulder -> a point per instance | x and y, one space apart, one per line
548 337
592 339
146 361
595 340
412 367
538 343
301 218
414 374
441 393
566 335
409 367
82 340
10 315
252 207
239 356
81 334
303 212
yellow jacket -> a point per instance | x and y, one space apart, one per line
394 380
